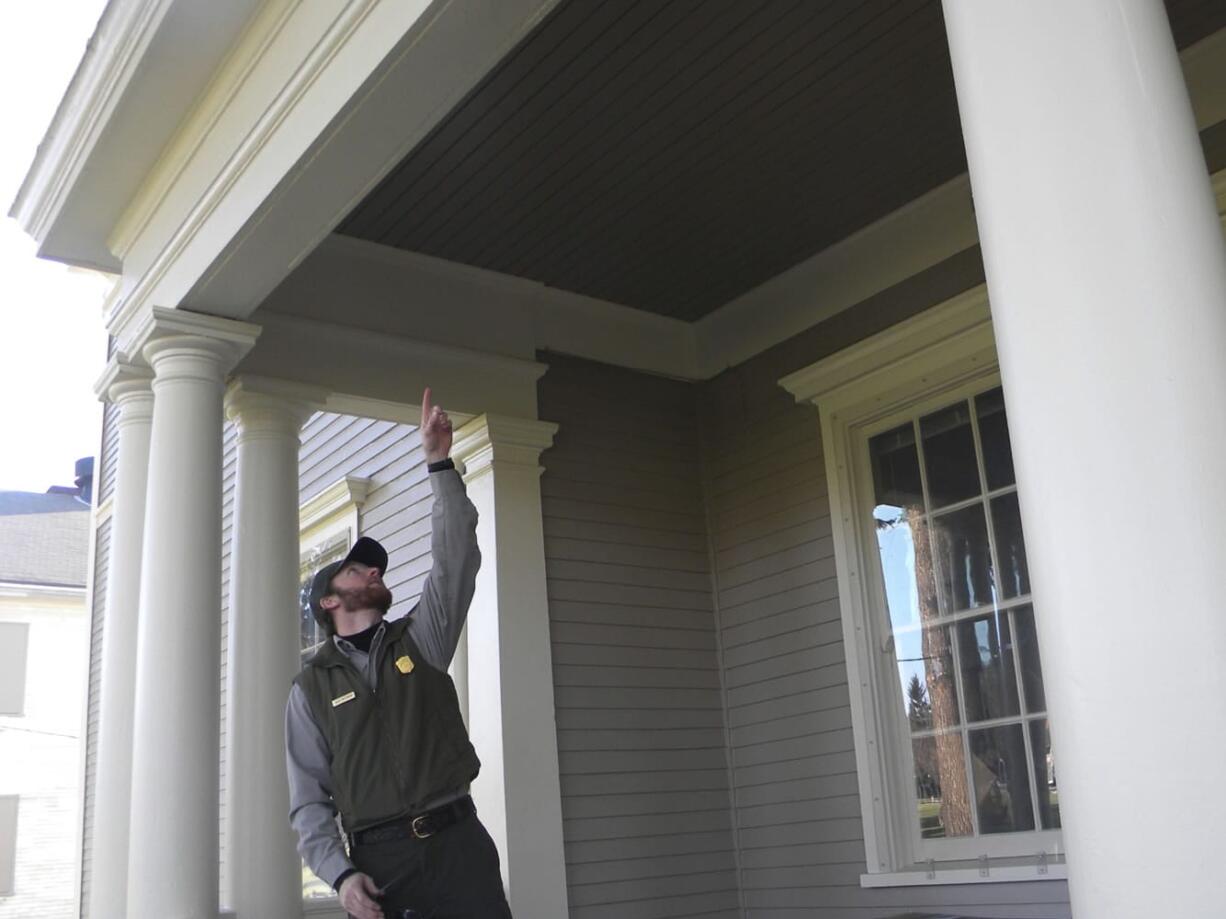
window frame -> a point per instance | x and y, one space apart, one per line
10 804
19 675
942 355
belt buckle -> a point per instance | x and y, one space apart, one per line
417 832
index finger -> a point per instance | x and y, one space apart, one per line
425 406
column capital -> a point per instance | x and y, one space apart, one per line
265 406
124 383
502 439
165 334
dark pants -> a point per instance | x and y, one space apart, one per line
453 874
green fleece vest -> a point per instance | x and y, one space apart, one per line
393 749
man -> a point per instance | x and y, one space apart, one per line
373 728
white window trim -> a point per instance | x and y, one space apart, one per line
11 869
945 350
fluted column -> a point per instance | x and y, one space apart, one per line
127 386
509 662
1107 277
173 851
263 869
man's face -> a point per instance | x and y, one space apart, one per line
360 587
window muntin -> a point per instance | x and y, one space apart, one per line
955 586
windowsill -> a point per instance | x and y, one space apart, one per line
324 906
992 875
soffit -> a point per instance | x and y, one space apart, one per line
670 157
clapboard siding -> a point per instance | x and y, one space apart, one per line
108 461
102 560
397 509
797 809
642 743
229 468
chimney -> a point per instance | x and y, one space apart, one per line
85 479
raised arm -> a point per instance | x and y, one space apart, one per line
455 558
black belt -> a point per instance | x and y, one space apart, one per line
422 826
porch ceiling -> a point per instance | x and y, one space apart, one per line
671 156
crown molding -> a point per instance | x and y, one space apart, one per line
121 377
341 495
110 63
920 234
229 337
489 439
146 65
961 326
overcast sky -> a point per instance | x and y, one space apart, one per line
54 341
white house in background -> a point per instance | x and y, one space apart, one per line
765 638
44 657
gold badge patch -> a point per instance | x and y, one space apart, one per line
341 700
404 664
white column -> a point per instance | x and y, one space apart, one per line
1107 279
173 857
509 663
127 386
263 869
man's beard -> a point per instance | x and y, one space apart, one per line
372 596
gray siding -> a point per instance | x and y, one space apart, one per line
397 510
229 461
106 467
102 559
797 809
641 738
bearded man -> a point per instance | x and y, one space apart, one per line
373 729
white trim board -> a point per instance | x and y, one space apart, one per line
145 65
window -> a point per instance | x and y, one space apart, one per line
959 621
14 647
955 764
8 844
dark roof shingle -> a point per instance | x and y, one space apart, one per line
44 539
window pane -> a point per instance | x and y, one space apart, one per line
949 455
941 787
1002 780
1045 775
1010 547
1028 652
926 672
994 436
964 558
906 565
896 475
985 650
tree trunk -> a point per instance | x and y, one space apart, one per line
942 692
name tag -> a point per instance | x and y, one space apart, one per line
341 700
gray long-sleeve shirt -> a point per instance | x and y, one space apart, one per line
435 625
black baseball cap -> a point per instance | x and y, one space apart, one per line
366 551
